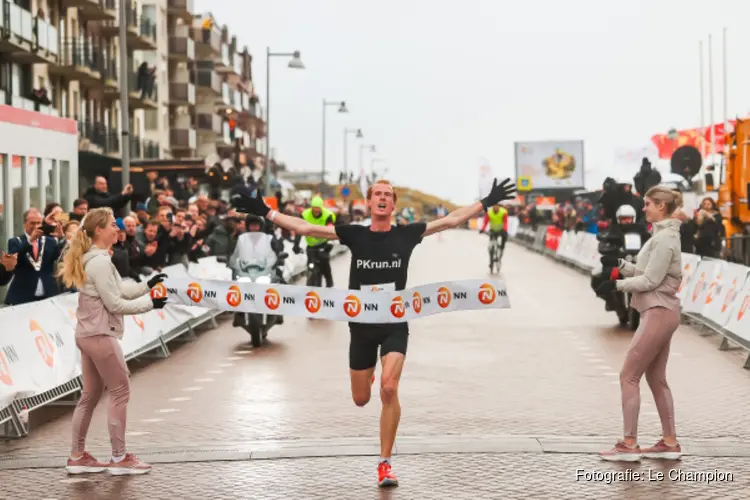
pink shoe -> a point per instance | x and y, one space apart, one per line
129 466
87 464
663 451
622 453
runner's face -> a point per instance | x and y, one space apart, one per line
381 203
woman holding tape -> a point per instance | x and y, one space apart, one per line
653 281
103 299
380 260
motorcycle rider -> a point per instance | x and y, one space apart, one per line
372 247
255 247
319 215
497 218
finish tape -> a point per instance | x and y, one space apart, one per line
358 306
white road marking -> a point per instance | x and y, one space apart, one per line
192 389
215 372
179 399
204 380
151 420
226 365
167 410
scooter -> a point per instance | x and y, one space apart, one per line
256 324
623 245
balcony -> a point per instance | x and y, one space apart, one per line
93 10
207 42
97 136
182 139
139 99
181 48
223 64
181 8
210 123
224 99
141 32
182 94
110 76
79 60
26 39
141 149
209 82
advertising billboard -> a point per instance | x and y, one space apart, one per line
549 165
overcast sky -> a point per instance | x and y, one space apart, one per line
441 87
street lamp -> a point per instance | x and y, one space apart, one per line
362 147
342 109
348 131
294 63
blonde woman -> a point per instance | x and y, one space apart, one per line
102 301
653 281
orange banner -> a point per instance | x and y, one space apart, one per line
692 137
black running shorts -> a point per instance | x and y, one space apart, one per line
366 339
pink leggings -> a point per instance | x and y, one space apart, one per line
102 364
648 353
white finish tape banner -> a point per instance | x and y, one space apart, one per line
338 305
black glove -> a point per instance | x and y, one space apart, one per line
159 303
505 191
609 261
156 279
606 288
246 204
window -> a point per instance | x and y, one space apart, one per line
64 103
151 119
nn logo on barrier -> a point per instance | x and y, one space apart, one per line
139 322
731 294
5 377
44 346
272 299
234 296
159 291
195 292
487 294
398 307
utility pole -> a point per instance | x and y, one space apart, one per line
124 110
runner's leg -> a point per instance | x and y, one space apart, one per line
393 363
363 356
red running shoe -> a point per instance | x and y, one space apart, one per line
386 477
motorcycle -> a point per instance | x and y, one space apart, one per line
316 256
624 243
263 268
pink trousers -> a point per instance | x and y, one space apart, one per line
102 365
648 354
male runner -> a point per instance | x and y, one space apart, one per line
380 259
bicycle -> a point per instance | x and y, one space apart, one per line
496 253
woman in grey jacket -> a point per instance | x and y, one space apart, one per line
103 299
653 282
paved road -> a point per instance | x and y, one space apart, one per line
488 397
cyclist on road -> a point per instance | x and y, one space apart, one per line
380 258
318 215
497 218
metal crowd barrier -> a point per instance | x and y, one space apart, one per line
45 370
714 293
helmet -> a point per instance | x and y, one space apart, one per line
254 219
625 212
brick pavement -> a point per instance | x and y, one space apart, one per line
432 476
548 366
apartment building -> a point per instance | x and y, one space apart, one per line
61 57
227 120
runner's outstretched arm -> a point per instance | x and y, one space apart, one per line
499 192
256 206
301 226
454 219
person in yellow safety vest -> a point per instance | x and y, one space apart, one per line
319 215
497 217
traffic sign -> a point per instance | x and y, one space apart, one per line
345 191
524 183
